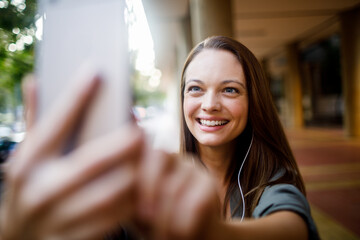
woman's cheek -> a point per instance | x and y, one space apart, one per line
238 108
190 106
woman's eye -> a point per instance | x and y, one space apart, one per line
231 90
194 89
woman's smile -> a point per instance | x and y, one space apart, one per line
212 123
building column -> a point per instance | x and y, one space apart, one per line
293 88
350 57
209 18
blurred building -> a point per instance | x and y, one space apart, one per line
309 49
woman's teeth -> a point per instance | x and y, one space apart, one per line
212 123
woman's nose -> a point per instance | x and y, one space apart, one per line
210 102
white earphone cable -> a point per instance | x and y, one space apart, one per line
241 192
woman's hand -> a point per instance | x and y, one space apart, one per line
177 200
80 195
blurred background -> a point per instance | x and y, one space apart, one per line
310 51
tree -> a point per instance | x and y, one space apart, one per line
17 37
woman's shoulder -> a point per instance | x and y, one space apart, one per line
285 197
280 196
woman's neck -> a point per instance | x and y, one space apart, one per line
217 160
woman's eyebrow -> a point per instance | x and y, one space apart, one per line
234 81
194 80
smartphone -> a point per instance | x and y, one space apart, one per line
85 32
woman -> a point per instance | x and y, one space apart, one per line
230 127
230 123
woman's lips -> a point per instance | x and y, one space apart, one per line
208 125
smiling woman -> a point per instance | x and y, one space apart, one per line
230 123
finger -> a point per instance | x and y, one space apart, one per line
172 188
55 181
67 111
122 147
30 100
51 131
93 228
196 209
110 198
153 171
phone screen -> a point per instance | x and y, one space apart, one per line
85 32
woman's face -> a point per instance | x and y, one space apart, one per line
215 98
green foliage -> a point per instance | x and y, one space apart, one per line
16 16
143 95
16 56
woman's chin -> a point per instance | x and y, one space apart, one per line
212 143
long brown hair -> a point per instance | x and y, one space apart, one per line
270 153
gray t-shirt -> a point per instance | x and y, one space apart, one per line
277 198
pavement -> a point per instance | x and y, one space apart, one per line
330 165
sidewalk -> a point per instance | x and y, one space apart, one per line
330 165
